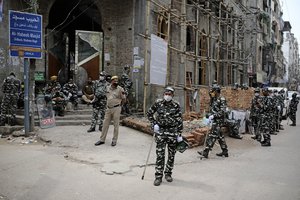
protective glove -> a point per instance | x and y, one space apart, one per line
156 129
278 108
211 117
179 138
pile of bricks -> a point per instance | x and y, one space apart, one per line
197 136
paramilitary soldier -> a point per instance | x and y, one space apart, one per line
167 125
99 102
255 114
266 117
218 116
126 84
70 90
10 88
293 109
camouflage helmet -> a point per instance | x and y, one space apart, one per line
183 145
281 91
294 95
257 90
169 89
275 91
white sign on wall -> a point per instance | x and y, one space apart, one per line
158 61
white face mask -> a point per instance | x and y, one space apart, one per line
101 78
256 94
167 97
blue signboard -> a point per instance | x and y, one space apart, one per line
25 33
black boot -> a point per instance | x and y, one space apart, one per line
223 153
266 144
157 181
236 136
293 124
204 153
91 130
100 128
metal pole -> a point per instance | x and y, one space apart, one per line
26 96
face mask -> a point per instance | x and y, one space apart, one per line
256 94
101 78
167 97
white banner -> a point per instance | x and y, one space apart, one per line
158 61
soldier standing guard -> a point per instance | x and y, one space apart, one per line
11 89
167 125
99 102
217 116
255 114
266 117
126 84
293 109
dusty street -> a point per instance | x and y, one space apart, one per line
72 168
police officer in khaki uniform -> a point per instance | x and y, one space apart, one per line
115 97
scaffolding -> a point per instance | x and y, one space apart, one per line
211 43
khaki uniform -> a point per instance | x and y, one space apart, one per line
115 96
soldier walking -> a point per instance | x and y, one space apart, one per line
293 109
217 116
11 89
99 102
167 125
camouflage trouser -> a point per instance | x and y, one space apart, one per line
98 113
8 108
292 116
255 122
272 123
215 134
266 121
161 142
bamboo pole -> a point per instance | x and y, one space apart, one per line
146 76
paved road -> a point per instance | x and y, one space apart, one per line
72 168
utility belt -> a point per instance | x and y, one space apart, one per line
110 107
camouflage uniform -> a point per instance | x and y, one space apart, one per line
58 102
277 100
293 109
99 103
11 88
71 92
266 107
218 110
255 115
50 89
126 84
281 103
169 119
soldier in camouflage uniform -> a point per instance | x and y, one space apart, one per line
126 84
266 117
255 114
281 103
50 88
168 126
58 101
272 113
10 88
70 90
99 102
217 116
293 109
277 117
